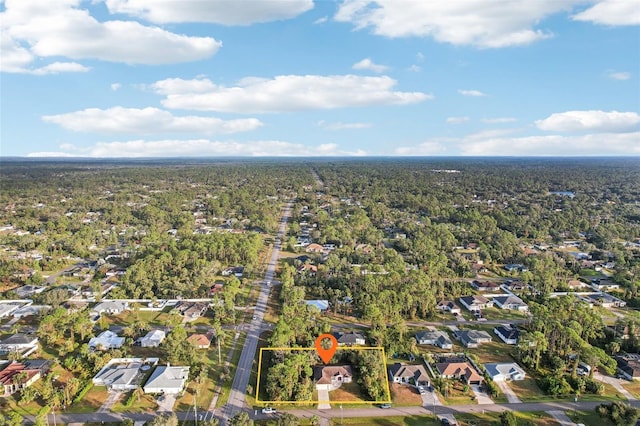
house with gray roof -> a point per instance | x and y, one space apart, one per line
434 337
408 374
351 338
472 338
167 380
505 372
510 302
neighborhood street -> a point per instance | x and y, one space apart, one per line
241 379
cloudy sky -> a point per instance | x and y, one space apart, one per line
165 78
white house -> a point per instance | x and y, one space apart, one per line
473 338
106 340
409 374
152 339
322 305
123 373
331 377
436 338
167 380
21 343
350 339
511 302
111 307
448 306
505 372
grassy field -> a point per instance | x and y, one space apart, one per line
491 418
404 395
588 418
386 421
633 387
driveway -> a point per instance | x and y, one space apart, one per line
508 392
616 383
430 399
166 403
481 396
561 418
112 398
323 395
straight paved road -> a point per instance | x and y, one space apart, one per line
236 400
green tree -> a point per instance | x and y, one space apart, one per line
241 419
507 418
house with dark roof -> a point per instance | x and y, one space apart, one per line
472 338
350 338
629 365
20 343
475 302
408 374
507 334
510 302
459 370
331 377
448 306
191 310
485 285
434 337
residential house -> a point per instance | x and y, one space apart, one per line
448 306
191 310
605 300
28 290
459 370
505 372
507 334
350 339
106 340
515 267
629 366
152 339
17 376
408 374
434 337
110 307
321 305
485 286
472 338
200 341
216 288
331 377
307 268
21 343
167 380
123 374
576 284
7 309
475 303
314 248
510 302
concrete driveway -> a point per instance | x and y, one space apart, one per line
430 399
561 418
481 396
616 383
508 392
323 395
166 402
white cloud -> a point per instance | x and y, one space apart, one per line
116 86
368 64
473 93
593 121
58 67
414 68
343 126
197 147
612 12
284 93
32 29
457 120
225 12
498 143
480 23
499 120
619 75
147 121
321 20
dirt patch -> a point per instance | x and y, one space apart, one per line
405 395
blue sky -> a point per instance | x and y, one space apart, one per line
166 78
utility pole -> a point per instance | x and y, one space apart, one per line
195 407
219 356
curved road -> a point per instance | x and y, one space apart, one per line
236 400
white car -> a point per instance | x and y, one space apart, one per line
268 410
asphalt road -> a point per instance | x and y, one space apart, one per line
236 400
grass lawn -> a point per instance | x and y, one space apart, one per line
91 401
490 418
457 394
226 386
153 318
503 314
386 421
404 395
633 387
348 392
589 418
145 404
527 390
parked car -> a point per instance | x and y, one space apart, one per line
268 410
422 390
385 406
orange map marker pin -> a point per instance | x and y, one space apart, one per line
326 354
